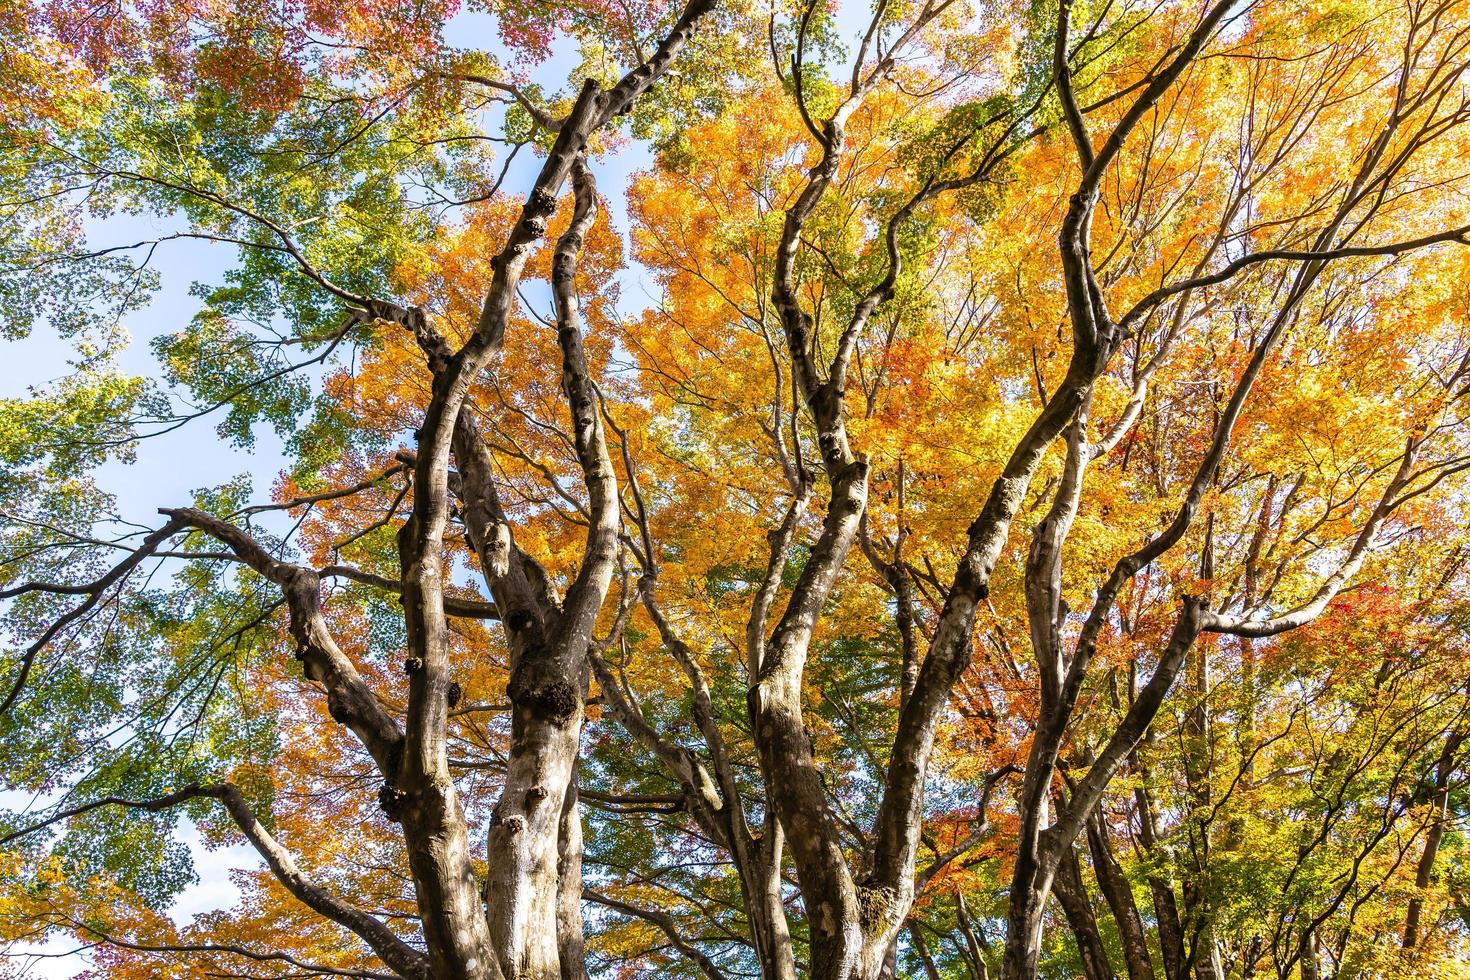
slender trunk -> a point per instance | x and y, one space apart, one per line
569 937
1037 863
1031 884
1310 969
840 949
422 796
1118 893
766 906
1250 957
921 948
975 941
1424 874
1197 757
1161 888
1071 892
1038 852
1171 929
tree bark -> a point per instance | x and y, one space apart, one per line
1118 893
1161 888
1071 892
921 949
1039 852
975 942
1198 791
1424 871
527 883
1310 968
569 934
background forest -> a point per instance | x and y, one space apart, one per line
944 489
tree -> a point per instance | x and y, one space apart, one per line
1050 425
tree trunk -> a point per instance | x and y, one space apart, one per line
1031 885
1166 907
524 887
1118 893
889 969
548 652
975 941
1424 874
921 949
840 948
1071 892
1171 931
1205 956
772 933
1310 969
569 937
422 796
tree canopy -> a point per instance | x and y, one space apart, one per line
986 499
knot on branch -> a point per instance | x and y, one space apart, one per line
311 671
537 688
393 802
1195 605
555 701
512 825
455 693
413 665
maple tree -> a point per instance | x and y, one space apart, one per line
1022 534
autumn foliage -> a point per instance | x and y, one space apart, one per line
951 489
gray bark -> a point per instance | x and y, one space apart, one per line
1424 870
1118 893
1071 892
